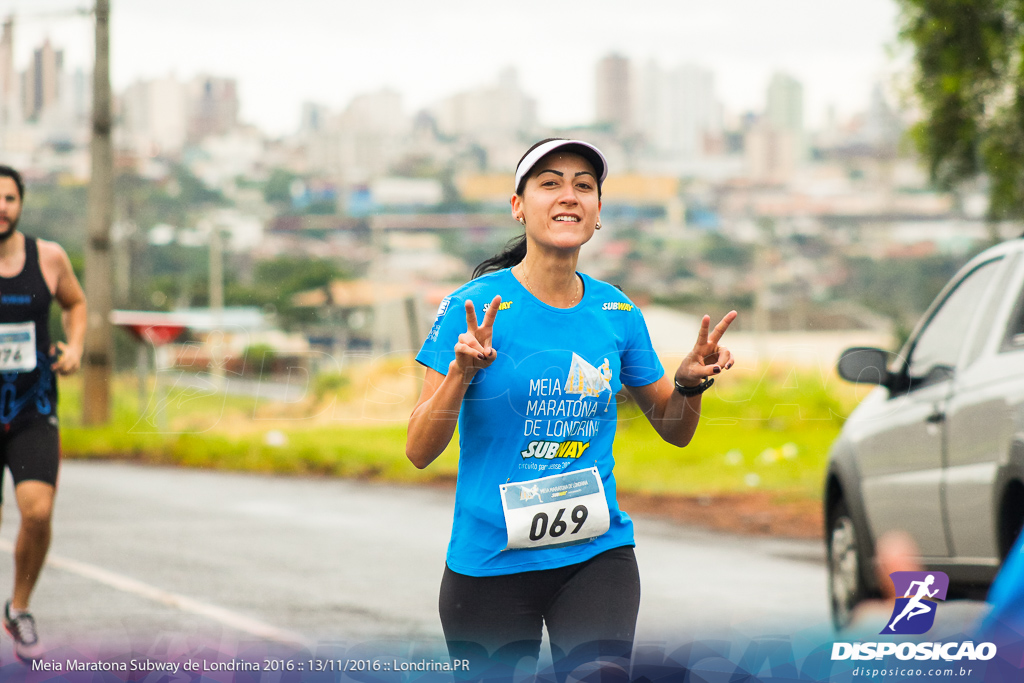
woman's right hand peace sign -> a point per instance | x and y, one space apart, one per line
474 351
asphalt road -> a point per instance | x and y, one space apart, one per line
323 559
164 555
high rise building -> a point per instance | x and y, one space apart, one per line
614 93
76 96
677 111
41 81
212 107
10 109
313 118
488 113
882 125
495 120
154 116
770 153
775 144
360 143
373 130
784 110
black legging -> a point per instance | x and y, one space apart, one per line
590 610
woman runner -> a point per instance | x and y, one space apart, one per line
527 359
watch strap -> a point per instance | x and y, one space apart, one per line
695 390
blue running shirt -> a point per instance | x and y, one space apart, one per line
545 406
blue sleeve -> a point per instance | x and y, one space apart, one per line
640 364
1007 595
438 351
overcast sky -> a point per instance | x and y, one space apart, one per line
284 53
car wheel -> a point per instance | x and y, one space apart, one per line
845 566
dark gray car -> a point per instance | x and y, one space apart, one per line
937 449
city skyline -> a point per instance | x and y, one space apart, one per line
328 53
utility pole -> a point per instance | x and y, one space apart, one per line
217 351
98 357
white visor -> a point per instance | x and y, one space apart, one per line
584 149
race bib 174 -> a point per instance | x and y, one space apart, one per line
18 347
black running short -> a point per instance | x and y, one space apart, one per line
590 611
30 449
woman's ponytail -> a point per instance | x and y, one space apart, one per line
513 254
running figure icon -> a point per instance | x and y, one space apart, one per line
916 605
528 493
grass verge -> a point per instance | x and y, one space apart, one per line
766 432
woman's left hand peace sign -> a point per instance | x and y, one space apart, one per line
707 358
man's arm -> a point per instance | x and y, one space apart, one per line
71 298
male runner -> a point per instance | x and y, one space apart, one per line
33 273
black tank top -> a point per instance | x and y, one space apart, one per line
26 298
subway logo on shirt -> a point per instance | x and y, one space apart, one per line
617 306
503 306
548 450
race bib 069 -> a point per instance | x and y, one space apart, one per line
563 509
18 347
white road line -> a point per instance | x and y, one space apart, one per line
182 602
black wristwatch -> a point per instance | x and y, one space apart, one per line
697 390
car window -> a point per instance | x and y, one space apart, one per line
986 328
1013 340
937 348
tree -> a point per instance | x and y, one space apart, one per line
278 188
970 86
279 279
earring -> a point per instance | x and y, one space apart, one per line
598 226
522 220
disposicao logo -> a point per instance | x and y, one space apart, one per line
914 613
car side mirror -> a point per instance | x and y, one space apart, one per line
865 365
